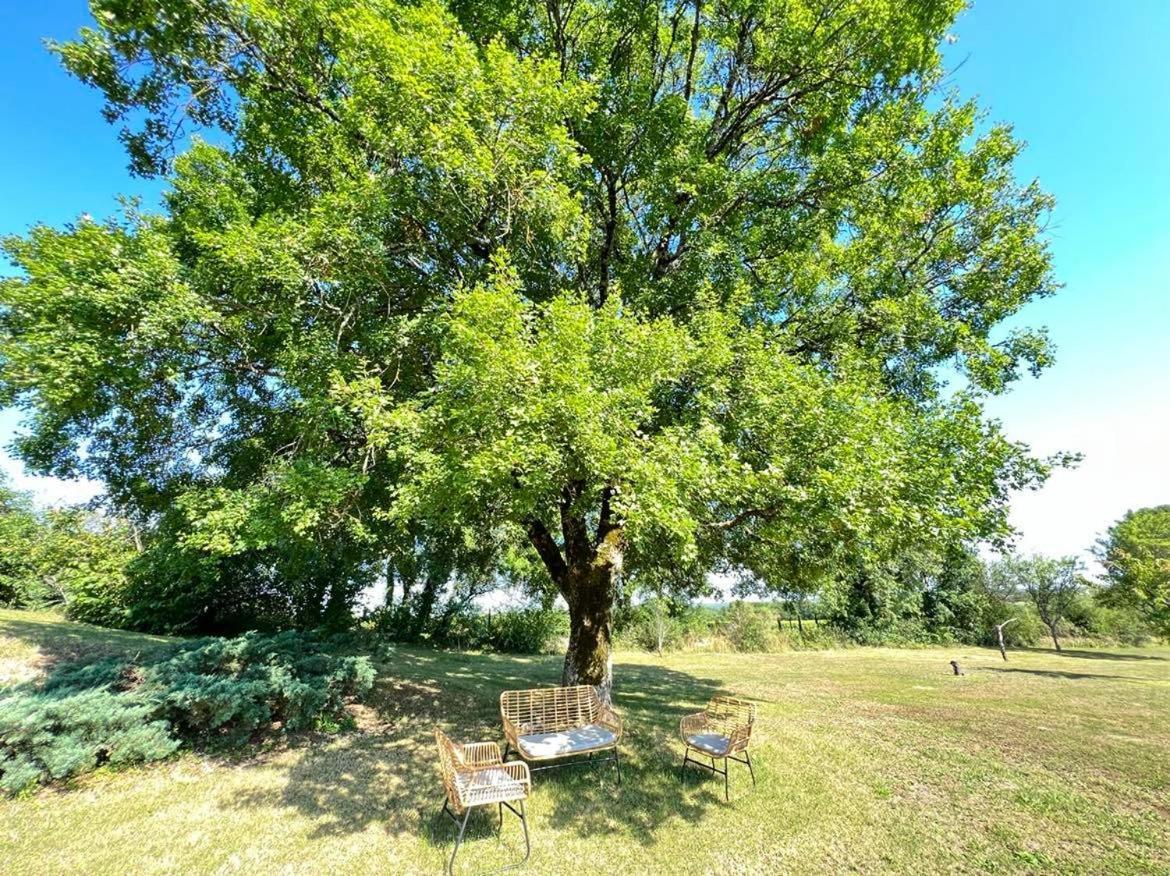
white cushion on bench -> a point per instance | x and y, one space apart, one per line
538 745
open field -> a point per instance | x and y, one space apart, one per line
868 759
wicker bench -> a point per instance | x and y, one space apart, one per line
555 723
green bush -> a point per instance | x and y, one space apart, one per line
1123 626
813 637
206 691
654 631
525 631
749 627
1025 631
514 631
660 623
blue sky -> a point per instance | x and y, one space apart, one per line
1087 85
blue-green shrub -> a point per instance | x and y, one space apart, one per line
206 691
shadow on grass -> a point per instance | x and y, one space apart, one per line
1089 655
386 773
60 642
1059 673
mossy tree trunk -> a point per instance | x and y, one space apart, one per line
583 567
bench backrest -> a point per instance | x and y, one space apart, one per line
550 709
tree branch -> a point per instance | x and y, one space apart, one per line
550 554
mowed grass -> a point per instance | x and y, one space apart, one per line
870 760
32 642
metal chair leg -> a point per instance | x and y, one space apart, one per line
524 824
617 765
748 755
501 827
726 783
458 840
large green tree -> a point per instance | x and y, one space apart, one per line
588 288
1136 555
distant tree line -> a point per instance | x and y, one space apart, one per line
94 567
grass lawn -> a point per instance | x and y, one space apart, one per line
867 759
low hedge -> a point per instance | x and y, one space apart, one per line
202 692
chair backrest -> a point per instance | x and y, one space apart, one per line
735 717
450 761
550 709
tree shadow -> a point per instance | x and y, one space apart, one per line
60 642
1089 655
1058 673
651 700
386 772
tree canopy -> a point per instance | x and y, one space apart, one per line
1136 555
564 290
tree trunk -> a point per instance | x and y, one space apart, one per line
999 635
426 605
583 568
588 659
1055 641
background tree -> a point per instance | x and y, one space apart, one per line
644 290
1136 556
1052 586
20 582
74 558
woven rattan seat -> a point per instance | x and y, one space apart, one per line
722 730
551 723
476 775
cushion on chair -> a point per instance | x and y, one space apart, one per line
587 738
713 743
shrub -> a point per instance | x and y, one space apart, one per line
209 690
813 637
749 627
898 632
658 631
663 624
55 735
516 631
98 599
526 631
1124 625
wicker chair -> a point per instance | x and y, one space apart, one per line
552 723
722 730
475 775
